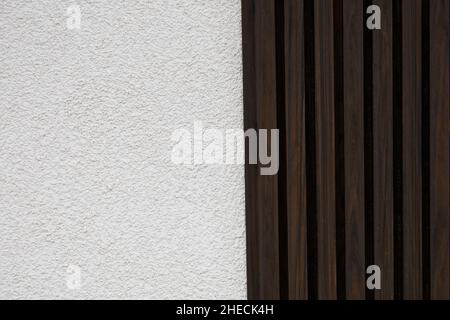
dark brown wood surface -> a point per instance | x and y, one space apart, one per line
439 147
383 184
354 148
295 149
411 38
261 112
364 121
325 148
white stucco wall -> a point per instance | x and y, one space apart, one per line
86 118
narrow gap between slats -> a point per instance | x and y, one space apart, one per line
281 119
310 116
398 147
426 257
339 141
368 149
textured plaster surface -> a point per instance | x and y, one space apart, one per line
86 118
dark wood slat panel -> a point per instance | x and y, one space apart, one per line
439 148
260 105
412 151
295 149
325 148
354 148
406 117
383 152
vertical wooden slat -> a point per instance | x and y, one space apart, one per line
248 52
295 149
339 142
383 151
412 151
266 102
354 148
260 105
325 148
439 148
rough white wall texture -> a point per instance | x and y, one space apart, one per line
86 118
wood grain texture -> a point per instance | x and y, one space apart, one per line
412 151
261 106
251 174
383 151
439 148
354 148
364 119
325 148
295 149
